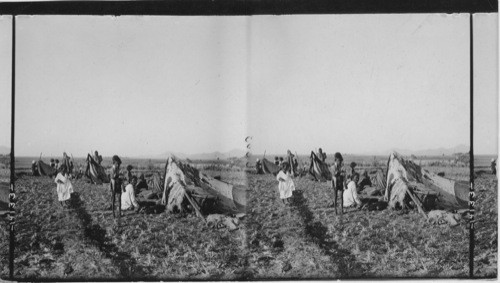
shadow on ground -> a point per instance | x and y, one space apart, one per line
318 234
97 235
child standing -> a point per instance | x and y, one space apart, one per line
115 183
64 186
285 185
338 181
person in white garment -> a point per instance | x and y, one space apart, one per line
64 186
351 198
285 185
128 200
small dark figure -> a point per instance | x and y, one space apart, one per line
364 180
338 182
142 184
116 185
66 161
57 164
276 160
258 167
34 168
281 161
493 166
52 163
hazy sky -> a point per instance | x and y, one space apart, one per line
5 79
146 85
130 85
365 83
486 84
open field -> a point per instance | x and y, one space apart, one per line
84 242
315 243
486 235
303 240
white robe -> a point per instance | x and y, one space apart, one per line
351 197
128 198
285 187
65 189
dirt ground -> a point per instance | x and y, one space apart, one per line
486 233
84 242
302 240
307 240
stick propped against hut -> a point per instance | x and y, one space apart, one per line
187 189
408 181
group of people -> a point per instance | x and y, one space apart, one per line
125 186
346 182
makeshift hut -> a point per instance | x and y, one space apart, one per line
319 169
409 184
95 172
270 168
186 188
45 169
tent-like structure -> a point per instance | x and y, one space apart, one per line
45 170
186 188
406 181
270 168
319 169
95 172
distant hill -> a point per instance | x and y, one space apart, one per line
4 150
204 156
428 152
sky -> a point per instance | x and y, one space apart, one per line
5 79
368 83
139 86
132 86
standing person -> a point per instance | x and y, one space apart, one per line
321 155
338 181
57 164
281 161
276 160
64 186
116 184
52 163
285 185
34 168
128 200
97 157
350 196
258 166
67 163
493 166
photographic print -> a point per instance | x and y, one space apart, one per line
361 129
248 145
129 147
